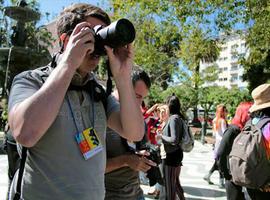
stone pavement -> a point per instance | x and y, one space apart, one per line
3 176
195 165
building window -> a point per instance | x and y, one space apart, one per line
234 67
225 79
223 58
234 78
234 57
242 55
224 48
235 46
225 69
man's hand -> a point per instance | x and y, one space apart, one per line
80 43
121 60
139 162
266 188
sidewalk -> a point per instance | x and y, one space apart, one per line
3 176
195 165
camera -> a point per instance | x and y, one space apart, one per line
154 174
154 153
117 34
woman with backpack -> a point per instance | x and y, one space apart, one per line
261 111
233 191
170 150
219 127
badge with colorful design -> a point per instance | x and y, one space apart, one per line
89 143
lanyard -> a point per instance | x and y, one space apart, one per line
72 113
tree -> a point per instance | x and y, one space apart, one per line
210 97
257 65
194 50
3 41
157 39
165 28
184 92
35 43
34 53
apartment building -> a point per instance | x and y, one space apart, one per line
230 70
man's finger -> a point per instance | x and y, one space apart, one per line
84 32
150 162
79 26
109 51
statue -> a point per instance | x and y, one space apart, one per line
19 36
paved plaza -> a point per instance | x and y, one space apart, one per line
196 165
3 176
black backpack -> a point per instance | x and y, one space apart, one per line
248 160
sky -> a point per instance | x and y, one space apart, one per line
54 7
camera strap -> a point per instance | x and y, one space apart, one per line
109 80
20 175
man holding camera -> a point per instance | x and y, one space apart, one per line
124 158
62 123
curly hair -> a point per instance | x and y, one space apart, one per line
77 13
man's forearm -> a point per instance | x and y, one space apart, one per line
130 112
116 163
30 119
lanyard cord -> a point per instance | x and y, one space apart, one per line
93 106
93 111
72 114
53 65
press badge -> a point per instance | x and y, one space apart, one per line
89 143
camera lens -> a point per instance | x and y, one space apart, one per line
125 30
117 34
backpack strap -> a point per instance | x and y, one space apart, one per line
262 122
20 175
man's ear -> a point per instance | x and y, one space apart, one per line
64 40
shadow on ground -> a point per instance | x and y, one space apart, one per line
202 192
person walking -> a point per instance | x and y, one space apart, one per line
219 127
258 111
233 191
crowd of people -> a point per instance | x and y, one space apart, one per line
252 119
85 143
